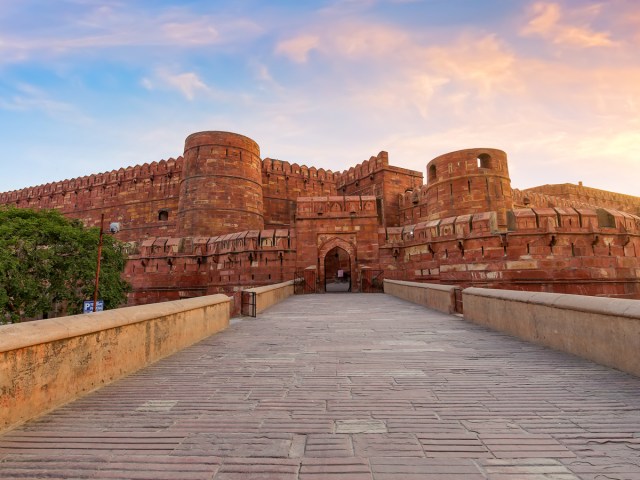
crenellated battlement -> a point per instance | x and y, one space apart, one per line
232 243
534 220
272 165
581 195
363 169
527 198
135 174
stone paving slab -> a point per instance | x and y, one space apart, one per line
345 386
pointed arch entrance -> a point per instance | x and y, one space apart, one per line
337 271
337 265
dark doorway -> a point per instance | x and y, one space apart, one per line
337 271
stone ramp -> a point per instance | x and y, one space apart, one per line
335 386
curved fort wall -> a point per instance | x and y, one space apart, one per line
221 186
579 194
469 181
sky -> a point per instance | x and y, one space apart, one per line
89 86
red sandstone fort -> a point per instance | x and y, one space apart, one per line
221 219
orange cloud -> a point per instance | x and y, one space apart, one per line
549 22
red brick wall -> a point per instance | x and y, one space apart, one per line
568 194
376 177
283 183
236 222
221 188
133 196
555 250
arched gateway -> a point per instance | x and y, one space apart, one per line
337 266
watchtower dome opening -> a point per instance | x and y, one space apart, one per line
484 160
433 176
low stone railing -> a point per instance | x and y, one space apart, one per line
271 294
604 330
438 297
47 363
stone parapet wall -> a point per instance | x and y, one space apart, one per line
438 297
581 195
47 363
604 330
270 295
589 252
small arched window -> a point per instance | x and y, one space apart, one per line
484 161
163 215
432 173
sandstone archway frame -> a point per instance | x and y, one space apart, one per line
348 247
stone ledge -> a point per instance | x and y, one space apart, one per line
20 335
581 303
269 295
438 297
47 363
604 330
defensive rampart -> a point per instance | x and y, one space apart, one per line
604 330
144 198
283 183
562 250
46 363
579 194
375 177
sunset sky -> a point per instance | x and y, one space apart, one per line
88 86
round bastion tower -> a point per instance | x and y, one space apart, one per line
469 181
221 187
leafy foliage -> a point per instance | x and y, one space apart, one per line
48 262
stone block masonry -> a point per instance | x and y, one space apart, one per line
219 219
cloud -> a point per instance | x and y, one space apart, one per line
548 21
114 26
188 84
31 98
298 48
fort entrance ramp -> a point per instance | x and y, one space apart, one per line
361 386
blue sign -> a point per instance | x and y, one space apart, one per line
88 306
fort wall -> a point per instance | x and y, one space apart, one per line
284 182
143 198
582 251
376 177
579 194
221 185
219 220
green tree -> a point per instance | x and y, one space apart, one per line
48 262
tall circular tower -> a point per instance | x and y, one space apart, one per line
221 187
469 181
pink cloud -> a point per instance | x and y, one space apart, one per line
548 21
298 48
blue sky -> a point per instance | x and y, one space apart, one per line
88 86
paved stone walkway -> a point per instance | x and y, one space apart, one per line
345 386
